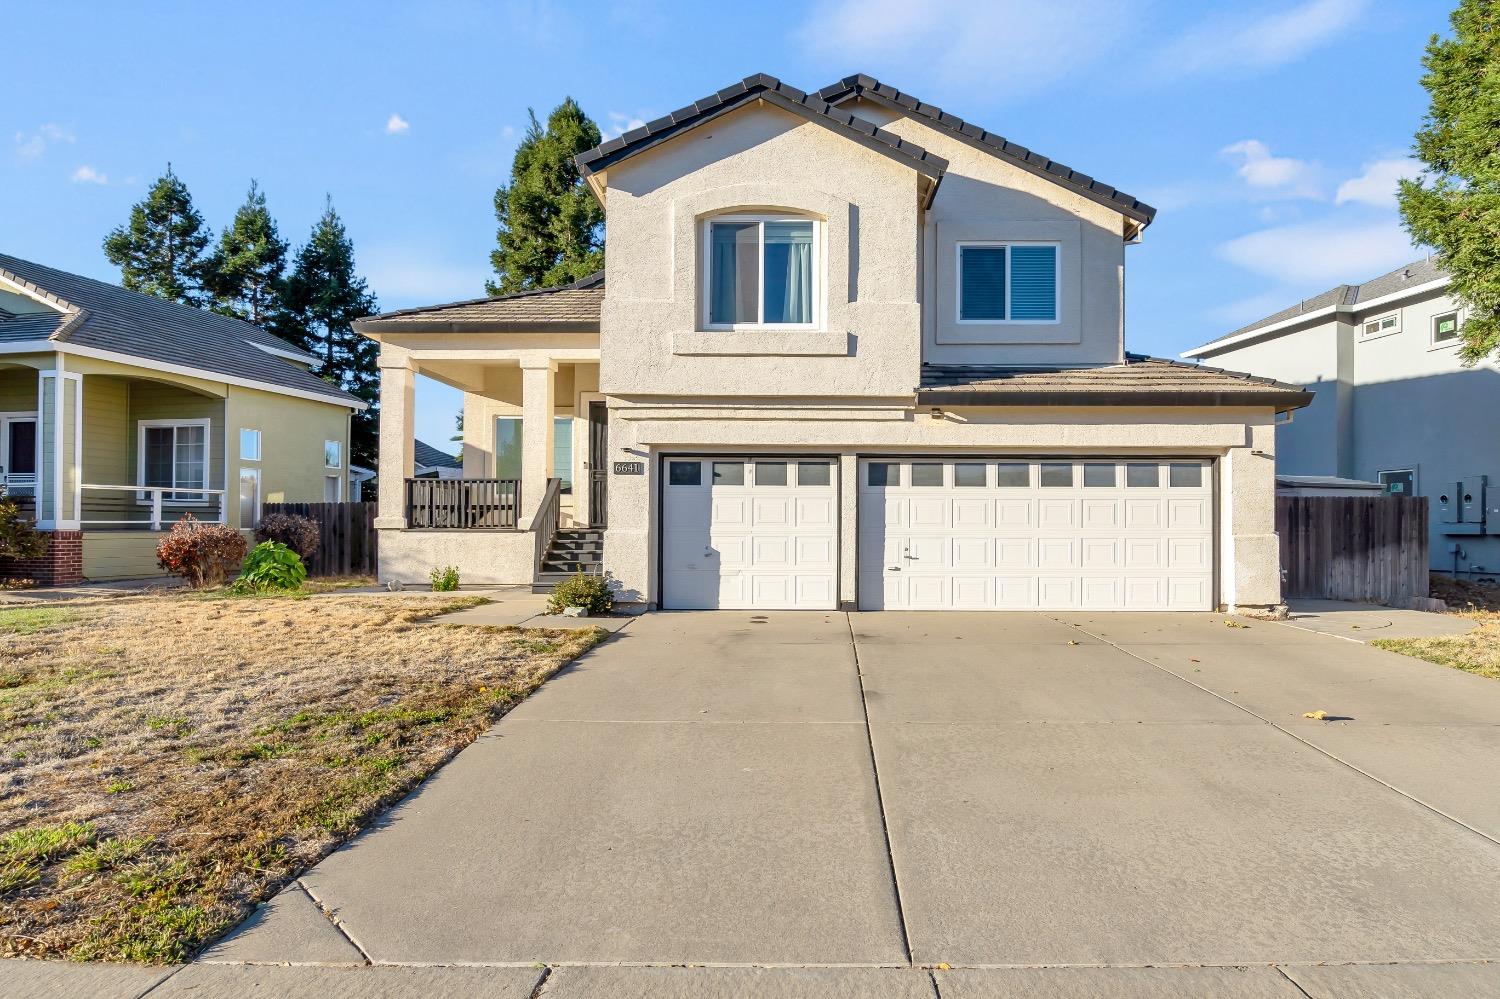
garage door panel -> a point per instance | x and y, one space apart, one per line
813 511
1107 541
729 511
771 551
771 511
814 552
729 551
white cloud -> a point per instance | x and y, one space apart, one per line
30 145
1009 47
1280 176
88 175
1321 253
396 125
1258 42
1377 185
619 124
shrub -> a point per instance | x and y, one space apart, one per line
592 593
202 554
445 579
270 565
18 536
298 533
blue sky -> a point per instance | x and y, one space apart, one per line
1269 133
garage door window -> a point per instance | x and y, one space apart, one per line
1013 475
926 474
968 473
729 473
1185 476
1099 476
813 473
1056 475
770 473
1139 475
884 473
685 473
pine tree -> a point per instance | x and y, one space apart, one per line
160 251
1456 207
248 264
321 298
551 227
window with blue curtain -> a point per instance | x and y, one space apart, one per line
562 451
760 272
1008 283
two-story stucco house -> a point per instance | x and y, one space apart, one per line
848 351
1393 401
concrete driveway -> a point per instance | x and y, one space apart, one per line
1047 804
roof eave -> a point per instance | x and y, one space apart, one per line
374 328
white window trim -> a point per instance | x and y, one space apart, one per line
340 444
705 268
19 416
259 498
958 282
260 444
1458 333
141 427
338 487
1363 336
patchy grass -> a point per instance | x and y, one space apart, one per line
167 761
30 620
1477 652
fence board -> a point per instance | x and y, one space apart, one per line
346 536
1370 548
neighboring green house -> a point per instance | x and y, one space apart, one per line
120 412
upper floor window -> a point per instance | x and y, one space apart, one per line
1380 326
1444 328
761 271
1007 282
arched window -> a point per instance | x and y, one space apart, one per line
761 270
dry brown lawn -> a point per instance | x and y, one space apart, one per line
1478 651
169 760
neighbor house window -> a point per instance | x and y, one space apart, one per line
333 454
1445 328
249 444
174 455
761 271
1007 282
1380 326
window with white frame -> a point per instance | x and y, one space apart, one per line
1008 282
1380 326
1444 329
761 271
333 454
173 455
249 444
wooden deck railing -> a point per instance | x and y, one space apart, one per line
462 504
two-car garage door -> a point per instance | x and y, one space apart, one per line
940 534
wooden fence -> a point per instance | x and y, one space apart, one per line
1369 548
346 536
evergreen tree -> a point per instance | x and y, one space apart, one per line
160 251
1456 207
248 264
551 227
321 298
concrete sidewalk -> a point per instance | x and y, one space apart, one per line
1364 622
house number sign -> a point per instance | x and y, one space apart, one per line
630 468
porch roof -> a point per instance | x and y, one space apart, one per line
570 308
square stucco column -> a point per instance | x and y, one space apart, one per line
537 377
1251 550
397 410
630 541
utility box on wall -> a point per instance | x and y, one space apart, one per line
1464 505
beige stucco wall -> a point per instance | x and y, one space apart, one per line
483 558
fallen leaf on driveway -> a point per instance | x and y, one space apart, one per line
1316 715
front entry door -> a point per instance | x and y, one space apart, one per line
598 464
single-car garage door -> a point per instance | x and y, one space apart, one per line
749 533
1062 534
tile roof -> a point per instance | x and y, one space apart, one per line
768 88
430 457
107 317
860 85
1140 380
1347 296
571 308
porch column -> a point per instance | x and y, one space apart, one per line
397 410
59 436
536 433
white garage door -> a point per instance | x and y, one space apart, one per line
1035 535
749 533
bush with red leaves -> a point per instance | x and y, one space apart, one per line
298 533
203 554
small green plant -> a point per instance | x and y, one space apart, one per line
445 580
271 565
592 593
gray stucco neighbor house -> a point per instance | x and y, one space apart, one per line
1392 402
848 351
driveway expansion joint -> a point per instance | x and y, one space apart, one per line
338 924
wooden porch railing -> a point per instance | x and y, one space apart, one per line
463 504
544 526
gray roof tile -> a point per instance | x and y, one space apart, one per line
572 308
430 457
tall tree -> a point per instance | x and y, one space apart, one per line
160 251
247 266
321 298
1455 208
551 227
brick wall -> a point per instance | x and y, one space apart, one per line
61 566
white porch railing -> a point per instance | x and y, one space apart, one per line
18 483
180 498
